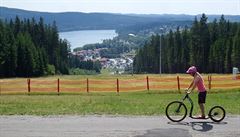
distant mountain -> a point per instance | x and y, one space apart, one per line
184 17
67 21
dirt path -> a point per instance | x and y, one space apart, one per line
115 126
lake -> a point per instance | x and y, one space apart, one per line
83 37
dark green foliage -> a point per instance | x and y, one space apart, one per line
170 51
185 50
212 47
77 71
50 70
27 57
97 66
76 64
148 58
27 47
236 49
10 53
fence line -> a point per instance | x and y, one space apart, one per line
114 85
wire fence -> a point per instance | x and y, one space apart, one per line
117 85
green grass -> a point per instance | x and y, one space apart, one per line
132 103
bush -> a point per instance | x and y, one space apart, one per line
77 71
50 69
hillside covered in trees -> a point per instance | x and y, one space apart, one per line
30 48
212 47
69 21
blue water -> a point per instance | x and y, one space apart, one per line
83 37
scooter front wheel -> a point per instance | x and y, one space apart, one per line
217 113
176 111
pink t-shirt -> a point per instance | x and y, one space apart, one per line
200 84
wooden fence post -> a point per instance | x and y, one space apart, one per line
58 86
117 86
147 83
29 86
87 86
178 82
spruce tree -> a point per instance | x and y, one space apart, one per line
236 50
185 51
204 44
195 44
170 45
177 51
227 61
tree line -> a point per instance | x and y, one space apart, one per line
31 48
76 63
212 47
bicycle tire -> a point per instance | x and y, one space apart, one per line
181 117
212 113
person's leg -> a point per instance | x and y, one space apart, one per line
201 102
201 105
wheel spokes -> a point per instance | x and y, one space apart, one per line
217 113
176 111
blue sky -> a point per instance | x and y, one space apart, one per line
193 7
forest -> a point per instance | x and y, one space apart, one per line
213 47
30 48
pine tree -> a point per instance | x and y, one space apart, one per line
164 54
204 44
170 45
227 61
42 37
211 66
185 51
194 44
218 55
236 50
2 47
21 54
11 62
222 29
177 51
213 27
17 26
155 54
26 55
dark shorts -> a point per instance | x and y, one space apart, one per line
202 97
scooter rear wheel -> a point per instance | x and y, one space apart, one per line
217 113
